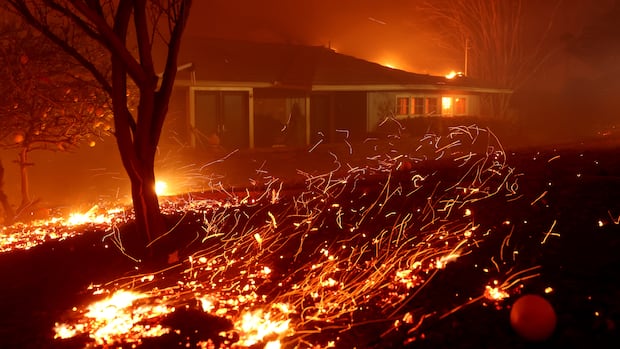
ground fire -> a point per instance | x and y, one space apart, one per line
285 267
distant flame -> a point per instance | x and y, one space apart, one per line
454 74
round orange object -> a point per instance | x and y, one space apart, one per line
18 137
533 318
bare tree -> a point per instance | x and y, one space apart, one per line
130 31
505 42
49 102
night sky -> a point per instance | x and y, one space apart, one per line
390 32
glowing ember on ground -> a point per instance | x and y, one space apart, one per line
495 293
119 318
92 216
23 236
257 325
292 268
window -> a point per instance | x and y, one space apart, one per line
418 105
402 105
460 106
432 106
446 106
221 118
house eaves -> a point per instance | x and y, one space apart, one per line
382 87
231 85
218 84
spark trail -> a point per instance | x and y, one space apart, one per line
296 268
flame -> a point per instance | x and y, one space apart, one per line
454 74
257 325
301 264
161 188
107 308
495 293
117 318
446 105
23 236
91 216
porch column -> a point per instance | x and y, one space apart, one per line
192 116
307 119
251 118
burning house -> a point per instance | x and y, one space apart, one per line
259 95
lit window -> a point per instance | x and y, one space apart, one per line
460 106
446 106
402 105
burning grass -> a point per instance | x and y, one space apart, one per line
352 249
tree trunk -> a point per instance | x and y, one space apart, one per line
25 184
9 214
149 220
137 153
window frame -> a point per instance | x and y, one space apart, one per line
397 108
427 103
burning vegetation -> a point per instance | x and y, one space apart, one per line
280 266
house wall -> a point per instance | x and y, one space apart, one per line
381 105
176 131
265 117
350 111
336 116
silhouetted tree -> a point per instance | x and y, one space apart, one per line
49 102
592 97
599 42
507 42
9 213
119 27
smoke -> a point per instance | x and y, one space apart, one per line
387 32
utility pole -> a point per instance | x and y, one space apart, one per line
466 56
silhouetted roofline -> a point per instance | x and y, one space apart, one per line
311 68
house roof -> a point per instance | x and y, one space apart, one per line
301 67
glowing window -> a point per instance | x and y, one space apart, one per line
446 106
402 105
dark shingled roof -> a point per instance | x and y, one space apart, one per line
294 66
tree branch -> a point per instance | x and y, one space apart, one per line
170 69
39 25
110 39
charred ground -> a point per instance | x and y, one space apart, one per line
570 191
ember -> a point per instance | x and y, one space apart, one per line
117 319
23 236
283 267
